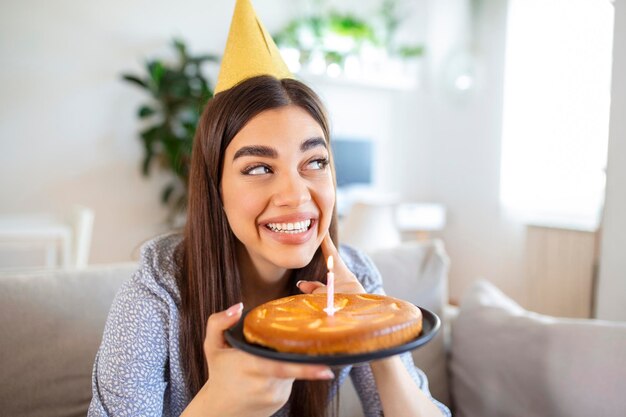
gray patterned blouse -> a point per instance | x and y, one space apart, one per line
138 368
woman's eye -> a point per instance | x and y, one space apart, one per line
256 170
318 164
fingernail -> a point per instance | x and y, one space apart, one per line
298 283
325 374
234 309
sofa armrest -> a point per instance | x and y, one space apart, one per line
51 322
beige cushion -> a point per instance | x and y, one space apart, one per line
418 272
51 325
507 361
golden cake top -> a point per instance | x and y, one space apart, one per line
362 322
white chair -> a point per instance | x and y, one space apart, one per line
80 220
46 240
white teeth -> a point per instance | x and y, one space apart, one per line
296 227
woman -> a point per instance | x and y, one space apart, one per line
261 221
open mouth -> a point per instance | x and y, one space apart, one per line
291 228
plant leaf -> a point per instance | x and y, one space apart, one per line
409 51
201 58
157 71
167 193
145 111
180 46
145 165
135 80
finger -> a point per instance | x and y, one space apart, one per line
329 249
217 323
341 269
302 372
286 370
345 281
308 287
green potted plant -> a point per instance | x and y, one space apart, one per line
337 35
178 91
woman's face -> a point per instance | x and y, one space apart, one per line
277 188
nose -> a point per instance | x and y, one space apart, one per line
291 190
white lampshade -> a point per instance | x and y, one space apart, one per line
370 226
418 217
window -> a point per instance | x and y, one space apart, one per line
556 111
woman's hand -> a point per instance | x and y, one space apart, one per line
241 384
345 281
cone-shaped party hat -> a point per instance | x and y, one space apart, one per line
250 50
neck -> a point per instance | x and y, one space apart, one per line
261 282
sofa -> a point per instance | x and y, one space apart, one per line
492 358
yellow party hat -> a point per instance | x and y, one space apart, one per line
250 50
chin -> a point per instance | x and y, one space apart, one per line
292 259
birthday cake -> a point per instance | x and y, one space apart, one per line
361 323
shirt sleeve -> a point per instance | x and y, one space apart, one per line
129 372
362 377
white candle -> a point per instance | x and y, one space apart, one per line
330 286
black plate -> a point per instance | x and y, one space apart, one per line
430 326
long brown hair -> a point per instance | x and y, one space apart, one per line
210 280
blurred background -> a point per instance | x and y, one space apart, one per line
492 125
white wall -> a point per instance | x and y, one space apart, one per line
68 128
612 278
463 147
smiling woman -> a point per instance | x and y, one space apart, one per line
260 222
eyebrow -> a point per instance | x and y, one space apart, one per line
268 152
256 150
312 143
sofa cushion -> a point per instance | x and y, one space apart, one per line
51 324
507 361
418 272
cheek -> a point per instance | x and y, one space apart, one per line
251 206
242 209
326 198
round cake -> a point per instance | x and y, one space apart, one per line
361 323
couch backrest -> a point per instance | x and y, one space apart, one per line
51 325
507 361
418 272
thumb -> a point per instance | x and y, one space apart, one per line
218 323
329 249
